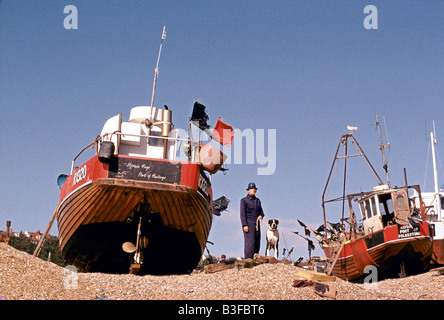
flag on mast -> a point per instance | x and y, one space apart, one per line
200 116
223 133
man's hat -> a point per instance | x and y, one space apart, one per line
251 185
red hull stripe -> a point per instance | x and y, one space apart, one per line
142 169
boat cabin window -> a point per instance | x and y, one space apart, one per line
155 142
385 204
386 208
400 202
374 208
361 206
368 208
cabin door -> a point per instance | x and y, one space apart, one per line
401 206
372 219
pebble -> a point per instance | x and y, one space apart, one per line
24 277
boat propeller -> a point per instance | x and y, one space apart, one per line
128 247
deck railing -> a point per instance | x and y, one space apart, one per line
194 145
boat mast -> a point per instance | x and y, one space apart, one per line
156 72
382 147
435 173
343 141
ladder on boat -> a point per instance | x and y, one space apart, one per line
332 261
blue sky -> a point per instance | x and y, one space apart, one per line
306 69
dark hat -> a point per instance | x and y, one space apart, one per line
251 185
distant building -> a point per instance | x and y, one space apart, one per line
33 236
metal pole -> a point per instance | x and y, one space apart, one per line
344 136
156 72
344 182
382 147
435 175
367 161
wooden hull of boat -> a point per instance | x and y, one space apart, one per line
438 251
95 217
386 250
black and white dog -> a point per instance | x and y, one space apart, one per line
272 237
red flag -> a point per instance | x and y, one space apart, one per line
223 133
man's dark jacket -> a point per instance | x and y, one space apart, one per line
250 209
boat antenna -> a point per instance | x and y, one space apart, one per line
435 173
382 146
156 72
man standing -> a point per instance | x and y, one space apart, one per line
250 213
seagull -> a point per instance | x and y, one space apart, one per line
352 128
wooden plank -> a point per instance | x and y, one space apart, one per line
200 210
42 239
73 215
316 276
331 265
74 203
123 200
216 267
101 207
178 212
246 263
188 213
265 259
134 269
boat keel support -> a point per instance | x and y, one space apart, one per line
144 215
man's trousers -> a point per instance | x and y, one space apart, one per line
252 241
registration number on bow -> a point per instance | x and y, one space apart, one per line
79 175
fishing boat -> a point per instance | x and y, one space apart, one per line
432 203
387 232
136 206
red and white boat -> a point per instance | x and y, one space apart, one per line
387 232
134 205
433 203
390 237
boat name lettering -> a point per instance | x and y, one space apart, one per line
151 176
131 166
407 231
204 186
79 175
145 170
